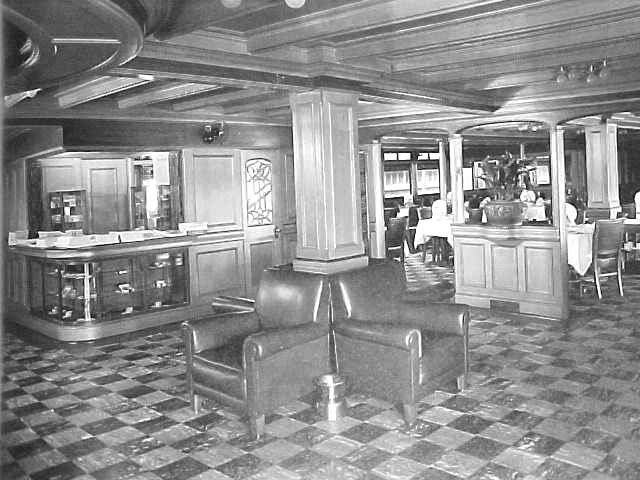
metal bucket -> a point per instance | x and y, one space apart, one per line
330 396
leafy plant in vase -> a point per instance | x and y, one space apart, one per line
505 176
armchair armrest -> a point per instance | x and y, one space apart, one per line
212 332
261 345
440 317
400 336
232 304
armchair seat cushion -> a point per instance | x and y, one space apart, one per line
440 354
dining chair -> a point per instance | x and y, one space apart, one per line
394 238
606 253
593 215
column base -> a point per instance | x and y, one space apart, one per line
328 267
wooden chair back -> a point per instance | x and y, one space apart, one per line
606 259
395 235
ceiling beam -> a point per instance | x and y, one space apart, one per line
531 62
366 15
539 20
95 88
218 99
253 106
561 47
165 93
386 87
107 109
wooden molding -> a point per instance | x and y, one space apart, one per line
95 88
165 93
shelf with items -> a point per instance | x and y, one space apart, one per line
63 292
165 279
108 288
138 202
67 210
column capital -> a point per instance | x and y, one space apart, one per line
323 94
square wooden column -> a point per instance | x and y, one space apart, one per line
327 182
602 167
375 199
456 171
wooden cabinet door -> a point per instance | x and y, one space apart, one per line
107 182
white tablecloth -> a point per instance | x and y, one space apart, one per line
579 244
433 227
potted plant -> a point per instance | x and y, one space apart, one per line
505 176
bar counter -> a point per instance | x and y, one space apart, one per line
94 291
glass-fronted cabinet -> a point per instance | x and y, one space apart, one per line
155 192
67 210
109 288
63 291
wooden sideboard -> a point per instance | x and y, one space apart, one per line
517 269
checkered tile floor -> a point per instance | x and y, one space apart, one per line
543 403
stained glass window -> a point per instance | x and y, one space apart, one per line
259 192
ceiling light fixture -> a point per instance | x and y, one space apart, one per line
236 3
591 77
604 70
588 73
562 75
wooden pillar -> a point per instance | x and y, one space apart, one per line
375 199
558 195
455 166
443 168
327 182
602 167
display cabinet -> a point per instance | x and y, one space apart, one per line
110 288
67 210
152 207
64 292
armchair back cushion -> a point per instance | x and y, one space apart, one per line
366 294
287 300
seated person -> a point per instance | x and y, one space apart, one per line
439 209
528 195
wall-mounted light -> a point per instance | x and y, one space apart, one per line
212 132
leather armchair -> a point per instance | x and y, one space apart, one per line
258 360
394 345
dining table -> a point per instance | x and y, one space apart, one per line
579 246
433 227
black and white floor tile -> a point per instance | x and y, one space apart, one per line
543 402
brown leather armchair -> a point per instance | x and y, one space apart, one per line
394 345
257 361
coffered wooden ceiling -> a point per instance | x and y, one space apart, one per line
416 65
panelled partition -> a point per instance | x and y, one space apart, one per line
517 269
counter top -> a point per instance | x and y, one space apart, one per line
101 251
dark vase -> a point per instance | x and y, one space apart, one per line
504 213
475 215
